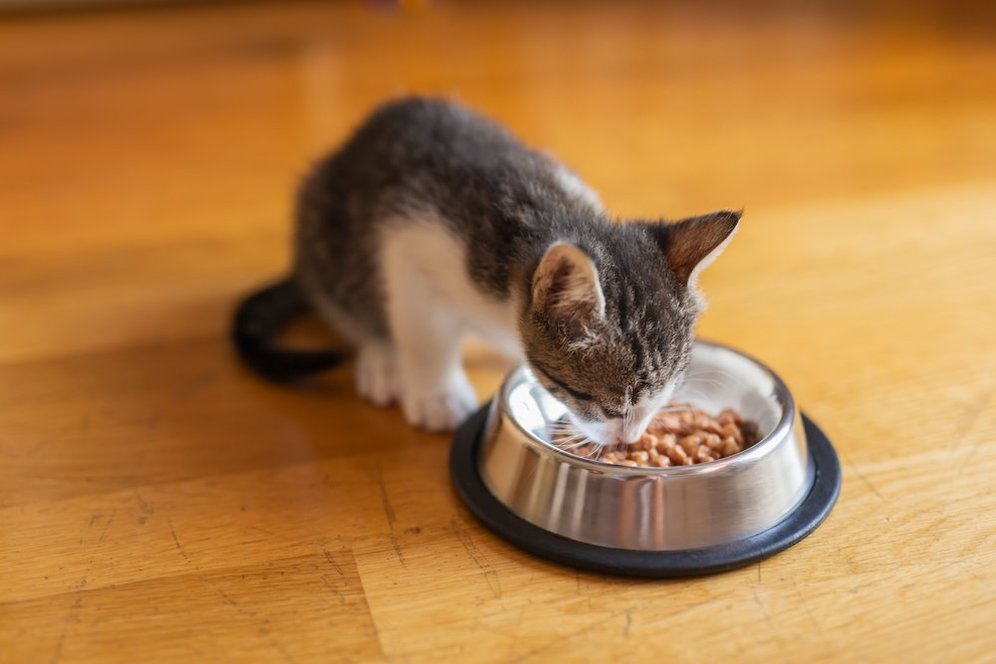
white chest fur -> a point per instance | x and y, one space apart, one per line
426 252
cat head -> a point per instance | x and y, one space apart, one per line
608 329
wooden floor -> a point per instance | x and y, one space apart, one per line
159 504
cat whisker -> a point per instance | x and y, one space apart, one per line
584 442
675 409
559 424
703 370
706 381
718 379
561 442
714 380
694 394
709 379
706 376
574 446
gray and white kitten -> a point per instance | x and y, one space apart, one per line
432 221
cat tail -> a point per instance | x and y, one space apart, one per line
257 321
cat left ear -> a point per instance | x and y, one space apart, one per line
692 244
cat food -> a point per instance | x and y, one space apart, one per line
681 435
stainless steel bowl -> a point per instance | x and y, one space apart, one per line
652 509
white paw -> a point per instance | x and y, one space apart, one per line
377 378
440 408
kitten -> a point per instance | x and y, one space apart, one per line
432 221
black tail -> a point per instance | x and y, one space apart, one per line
257 321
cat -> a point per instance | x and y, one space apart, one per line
432 221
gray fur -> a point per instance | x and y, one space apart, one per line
502 199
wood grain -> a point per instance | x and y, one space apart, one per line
159 503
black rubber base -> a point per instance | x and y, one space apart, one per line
691 562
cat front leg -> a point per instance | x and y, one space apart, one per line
435 392
377 374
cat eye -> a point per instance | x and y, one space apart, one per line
580 396
610 412
577 394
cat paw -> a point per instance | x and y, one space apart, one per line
440 409
377 378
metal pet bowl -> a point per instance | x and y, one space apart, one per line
673 521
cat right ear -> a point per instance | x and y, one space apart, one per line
566 287
691 244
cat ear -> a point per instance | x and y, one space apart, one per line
565 286
692 244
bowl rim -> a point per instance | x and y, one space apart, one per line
745 457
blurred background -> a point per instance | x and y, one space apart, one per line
148 155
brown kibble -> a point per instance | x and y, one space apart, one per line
690 443
681 438
667 440
678 456
730 416
730 447
710 426
732 431
668 421
582 451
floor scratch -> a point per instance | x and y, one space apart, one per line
965 426
225 596
331 561
391 517
864 480
176 541
764 610
490 575
681 612
145 506
809 612
279 647
388 508
71 618
560 638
